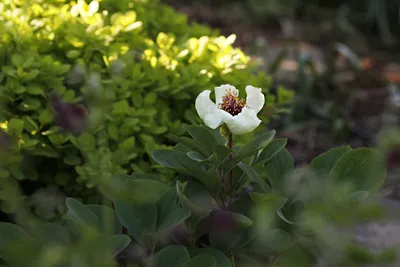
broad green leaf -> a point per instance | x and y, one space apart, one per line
359 196
271 150
277 169
16 126
256 144
265 208
177 216
171 256
290 213
140 220
276 240
81 214
169 213
217 135
254 176
196 156
135 190
118 243
283 217
198 213
204 138
11 233
190 143
222 153
145 190
364 168
242 220
222 260
107 217
50 233
167 203
250 148
180 162
324 163
202 260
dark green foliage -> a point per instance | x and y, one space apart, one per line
89 89
196 220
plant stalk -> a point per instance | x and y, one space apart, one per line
229 180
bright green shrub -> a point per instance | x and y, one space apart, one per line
136 66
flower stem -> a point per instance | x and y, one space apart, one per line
229 181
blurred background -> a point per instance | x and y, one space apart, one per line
341 57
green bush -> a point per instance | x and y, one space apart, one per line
135 66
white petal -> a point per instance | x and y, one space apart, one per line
220 91
213 119
255 99
203 103
243 123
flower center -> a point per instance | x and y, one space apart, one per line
231 103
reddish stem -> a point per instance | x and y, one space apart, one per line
229 185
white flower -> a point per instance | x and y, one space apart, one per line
239 116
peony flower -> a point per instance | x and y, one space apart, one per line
239 115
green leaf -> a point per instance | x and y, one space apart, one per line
202 260
29 104
250 148
276 240
254 176
50 233
190 143
108 219
323 164
180 162
169 213
265 208
11 233
171 256
204 138
81 214
177 216
167 203
271 150
16 171
139 219
222 153
222 260
196 156
121 107
256 144
242 220
359 196
364 168
87 142
150 98
16 60
198 213
277 169
72 160
45 117
144 190
16 126
31 75
118 243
